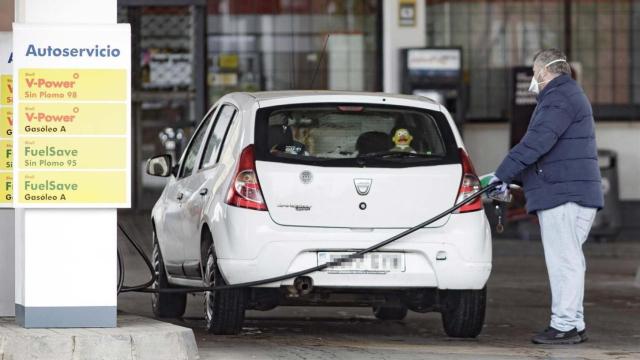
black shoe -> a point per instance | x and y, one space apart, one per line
553 336
583 335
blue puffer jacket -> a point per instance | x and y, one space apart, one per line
557 159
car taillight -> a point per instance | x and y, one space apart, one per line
469 185
245 189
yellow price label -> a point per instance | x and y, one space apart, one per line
79 187
228 61
73 119
6 188
72 153
6 155
6 90
6 122
73 84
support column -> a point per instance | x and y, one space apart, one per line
65 258
6 213
6 263
400 30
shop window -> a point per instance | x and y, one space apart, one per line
277 45
497 35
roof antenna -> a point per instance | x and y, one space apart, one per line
324 50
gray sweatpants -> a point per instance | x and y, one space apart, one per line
564 229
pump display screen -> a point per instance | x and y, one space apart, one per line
438 65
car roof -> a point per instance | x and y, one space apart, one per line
248 97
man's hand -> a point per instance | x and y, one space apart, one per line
502 187
501 192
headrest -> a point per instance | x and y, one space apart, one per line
280 135
373 141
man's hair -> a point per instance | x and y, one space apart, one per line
543 57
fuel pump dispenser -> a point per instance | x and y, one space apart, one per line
435 73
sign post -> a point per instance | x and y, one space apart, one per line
6 183
72 169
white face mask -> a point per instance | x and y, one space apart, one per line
535 85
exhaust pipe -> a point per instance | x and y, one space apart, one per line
303 284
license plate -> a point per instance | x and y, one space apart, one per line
370 263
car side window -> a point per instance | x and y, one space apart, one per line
191 156
216 137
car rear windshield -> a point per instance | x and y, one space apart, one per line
354 135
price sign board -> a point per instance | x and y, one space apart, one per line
6 120
72 137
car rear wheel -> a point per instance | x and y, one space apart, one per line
223 309
463 312
164 305
390 311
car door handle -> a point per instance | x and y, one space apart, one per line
204 191
180 196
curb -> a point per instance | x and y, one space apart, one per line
135 338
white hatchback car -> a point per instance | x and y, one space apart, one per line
276 182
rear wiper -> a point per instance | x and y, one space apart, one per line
395 154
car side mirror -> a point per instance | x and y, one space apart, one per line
159 165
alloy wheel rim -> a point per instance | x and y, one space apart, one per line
209 296
156 268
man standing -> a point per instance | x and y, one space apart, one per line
557 163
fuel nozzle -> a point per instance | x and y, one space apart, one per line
495 194
500 196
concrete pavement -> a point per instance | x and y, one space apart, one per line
518 307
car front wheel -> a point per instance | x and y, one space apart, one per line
224 309
463 312
164 305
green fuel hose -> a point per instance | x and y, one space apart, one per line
146 287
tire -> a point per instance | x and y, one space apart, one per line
164 305
463 312
390 311
223 309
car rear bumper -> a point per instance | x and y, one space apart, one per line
256 248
